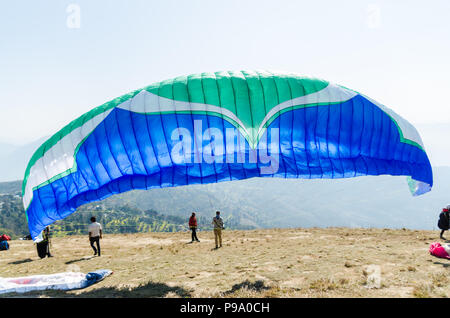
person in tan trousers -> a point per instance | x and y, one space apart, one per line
217 222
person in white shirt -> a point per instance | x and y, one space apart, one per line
95 234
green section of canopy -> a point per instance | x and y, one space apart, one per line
249 95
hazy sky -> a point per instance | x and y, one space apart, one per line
53 69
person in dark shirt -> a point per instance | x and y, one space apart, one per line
43 247
444 221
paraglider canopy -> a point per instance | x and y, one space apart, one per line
223 126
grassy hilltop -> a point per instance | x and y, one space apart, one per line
332 262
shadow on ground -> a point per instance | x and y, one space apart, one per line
22 261
148 290
79 260
443 264
256 286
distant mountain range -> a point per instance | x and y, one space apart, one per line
383 202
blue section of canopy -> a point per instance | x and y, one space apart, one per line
136 151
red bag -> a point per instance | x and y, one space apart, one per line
5 237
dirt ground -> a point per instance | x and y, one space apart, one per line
332 262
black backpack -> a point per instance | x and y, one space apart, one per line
443 222
42 248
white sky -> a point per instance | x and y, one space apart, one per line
396 52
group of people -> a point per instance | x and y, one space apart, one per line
96 232
217 223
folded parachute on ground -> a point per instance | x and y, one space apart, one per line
441 251
59 281
214 127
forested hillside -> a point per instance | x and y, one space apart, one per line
115 216
378 202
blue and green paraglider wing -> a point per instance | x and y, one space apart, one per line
214 127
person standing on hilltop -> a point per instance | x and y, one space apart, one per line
95 234
193 227
218 227
444 221
46 236
43 247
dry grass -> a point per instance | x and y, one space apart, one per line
334 262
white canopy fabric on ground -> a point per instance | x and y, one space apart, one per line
60 281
